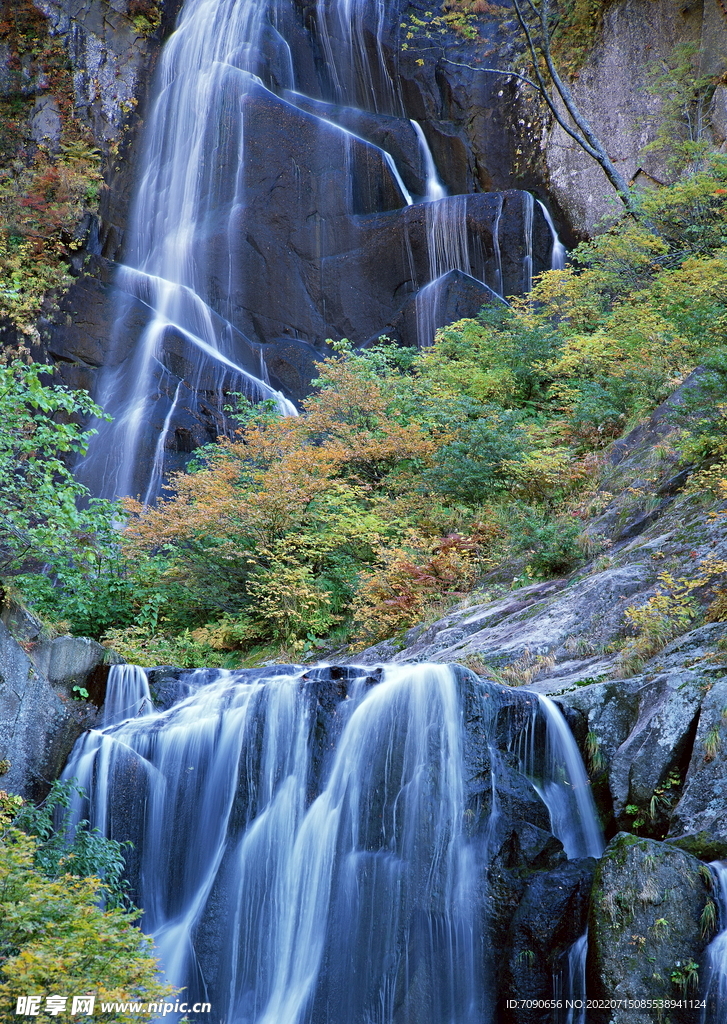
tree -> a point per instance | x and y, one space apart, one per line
538 21
41 518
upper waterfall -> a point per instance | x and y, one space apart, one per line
274 209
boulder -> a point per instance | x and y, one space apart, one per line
38 726
645 938
642 731
543 930
699 821
69 661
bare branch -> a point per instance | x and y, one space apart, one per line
585 136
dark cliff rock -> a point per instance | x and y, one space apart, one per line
343 266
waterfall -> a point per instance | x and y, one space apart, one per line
370 880
715 982
498 253
127 695
555 767
565 788
569 985
558 252
357 77
449 253
194 140
276 146
448 248
302 847
435 188
528 211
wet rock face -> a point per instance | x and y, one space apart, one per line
645 938
543 930
325 246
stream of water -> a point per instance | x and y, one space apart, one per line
302 849
715 958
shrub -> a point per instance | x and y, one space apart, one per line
55 938
394 596
659 620
550 543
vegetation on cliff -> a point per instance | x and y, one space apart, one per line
413 476
48 523
49 167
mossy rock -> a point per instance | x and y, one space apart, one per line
645 929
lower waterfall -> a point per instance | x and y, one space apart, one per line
320 845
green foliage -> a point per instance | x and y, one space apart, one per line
60 547
146 16
576 31
65 849
682 121
685 976
551 543
703 414
665 615
459 16
708 919
54 936
653 821
40 518
476 463
690 216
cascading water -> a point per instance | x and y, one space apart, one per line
369 877
569 984
554 765
358 76
715 980
529 209
435 188
128 695
190 173
562 783
276 152
558 252
303 845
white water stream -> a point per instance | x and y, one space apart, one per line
180 280
289 883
